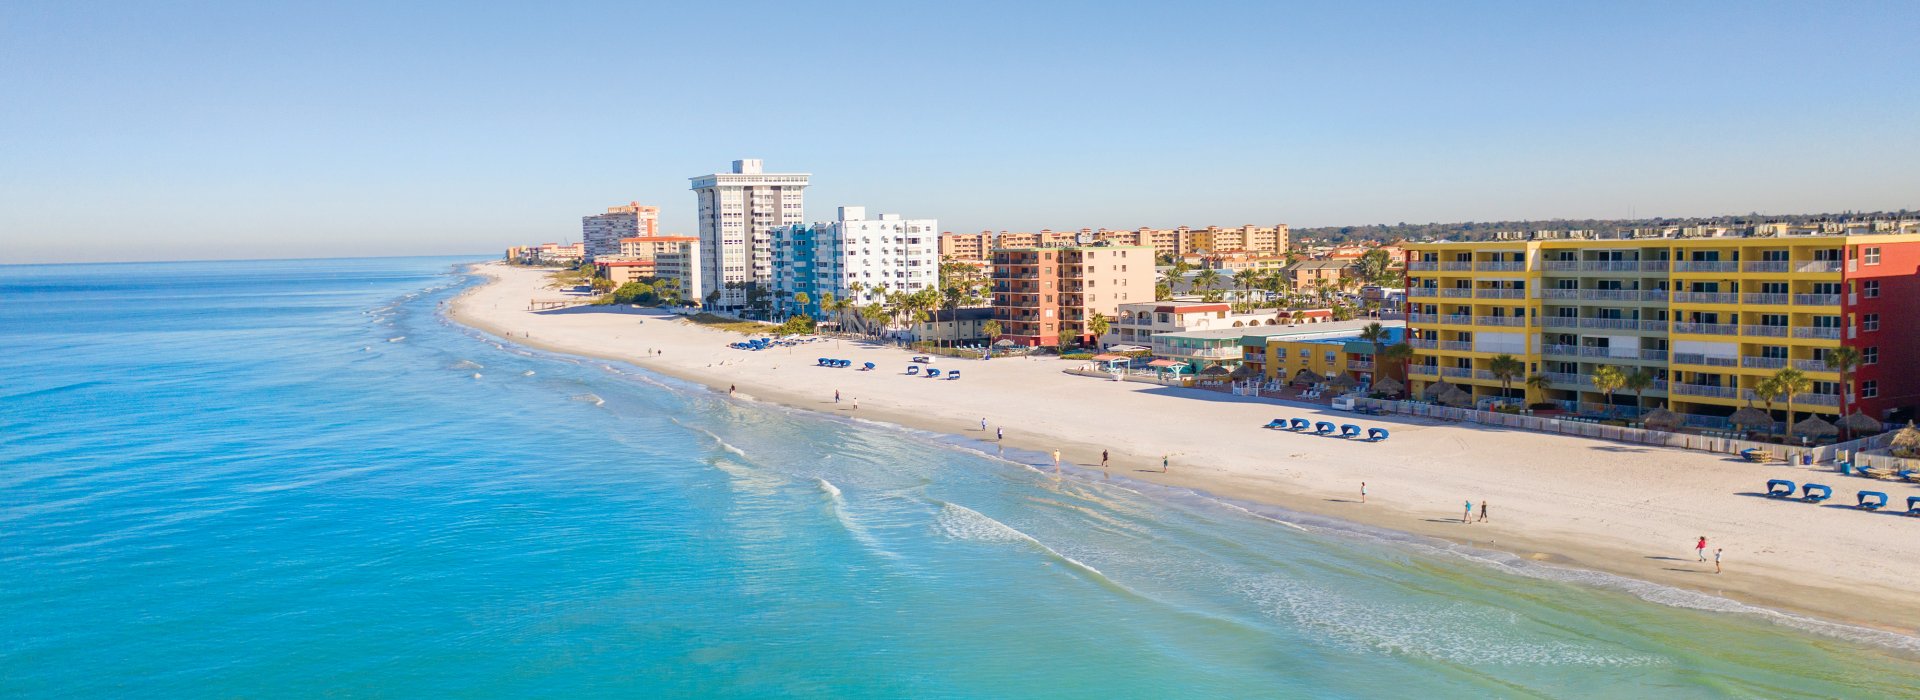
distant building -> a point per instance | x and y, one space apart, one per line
547 254
619 271
1044 296
1327 350
1251 240
880 256
1302 275
1201 349
601 233
1135 323
960 326
737 212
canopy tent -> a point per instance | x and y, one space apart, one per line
1813 426
1750 417
1861 424
1663 419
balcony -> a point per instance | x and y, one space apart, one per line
1752 362
1817 399
1764 331
1559 322
1360 365
1705 266
1624 324
1423 371
1565 380
1818 266
1718 392
1705 298
1694 358
1422 266
1499 321
1766 299
1456 345
1423 318
1457 319
1766 266
1456 266
1423 343
1500 266
1610 265
1568 350
1560 293
1490 293
1560 265
1456 372
1456 292
1816 299
1653 266
1812 366
1817 333
1423 292
1707 328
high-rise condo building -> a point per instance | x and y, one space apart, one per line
1707 319
601 233
737 211
853 257
1044 296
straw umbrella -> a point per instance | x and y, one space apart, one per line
1749 417
1438 389
1664 419
1860 424
1389 386
1813 426
1342 382
1215 371
1242 372
1457 398
1906 443
1307 376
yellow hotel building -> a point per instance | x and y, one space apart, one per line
1708 317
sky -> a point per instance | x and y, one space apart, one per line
211 130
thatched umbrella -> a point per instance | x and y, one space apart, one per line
1342 382
1664 419
1215 371
1813 426
1242 372
1906 443
1307 376
1438 389
1457 398
1389 385
1749 417
1860 424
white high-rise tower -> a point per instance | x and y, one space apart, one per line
737 210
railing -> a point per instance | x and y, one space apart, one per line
1817 399
1456 345
1456 292
1499 321
1705 266
1722 392
1613 323
1457 319
1559 350
1768 299
1694 358
1753 362
1423 343
1622 295
1500 266
1490 293
1423 318
1364 365
1456 266
1653 266
1610 265
1765 331
1560 293
1705 298
1423 371
1813 366
1809 332
1819 266
1816 299
1423 292
1707 328
1422 266
1560 265
1456 372
1766 266
1566 379
1559 322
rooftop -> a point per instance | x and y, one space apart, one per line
1298 331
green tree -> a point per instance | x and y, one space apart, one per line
1097 326
1844 360
713 298
1638 381
1206 281
1540 383
801 299
1792 383
1506 368
992 329
961 285
1376 335
1399 355
1608 379
1768 390
1373 265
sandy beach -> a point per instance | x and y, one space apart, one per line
1623 509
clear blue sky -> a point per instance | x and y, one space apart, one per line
223 130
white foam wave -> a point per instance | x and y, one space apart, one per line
590 398
963 523
838 504
396 339
476 375
527 373
468 364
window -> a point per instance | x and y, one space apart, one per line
1869 389
1871 289
1870 322
1870 356
1871 254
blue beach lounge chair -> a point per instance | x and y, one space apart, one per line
868 367
1815 493
1913 506
1780 488
933 373
1299 424
1376 434
953 374
824 361
1324 428
1872 500
1275 423
1349 431
913 369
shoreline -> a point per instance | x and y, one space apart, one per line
1235 463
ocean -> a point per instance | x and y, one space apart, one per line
294 478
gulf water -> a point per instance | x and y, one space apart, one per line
263 479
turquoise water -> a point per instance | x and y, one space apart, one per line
294 478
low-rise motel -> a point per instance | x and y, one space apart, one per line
1279 352
1708 317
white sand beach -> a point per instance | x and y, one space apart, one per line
1624 509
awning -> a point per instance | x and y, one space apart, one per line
1108 357
1165 363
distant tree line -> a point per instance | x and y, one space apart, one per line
1480 230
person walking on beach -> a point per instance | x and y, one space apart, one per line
731 388
1468 518
983 425
1056 459
1483 511
1716 560
1163 464
999 434
1363 492
1700 548
1103 459
856 403
836 396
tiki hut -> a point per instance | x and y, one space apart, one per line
1457 398
1389 386
1307 376
1242 372
1813 426
1215 371
1438 389
1750 417
1342 382
1906 443
1663 419
1861 424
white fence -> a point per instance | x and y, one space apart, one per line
1820 453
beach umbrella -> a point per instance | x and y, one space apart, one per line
1663 419
1814 427
1215 371
1906 443
1750 416
1861 424
1388 385
1242 372
1003 343
1438 389
1307 376
1342 382
1456 398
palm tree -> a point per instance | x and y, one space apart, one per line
1539 382
1792 382
1206 280
1377 335
1245 280
1399 354
1844 360
1608 379
1638 381
801 299
1768 390
1097 325
992 329
1505 368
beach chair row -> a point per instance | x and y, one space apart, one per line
1349 430
932 372
1814 493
